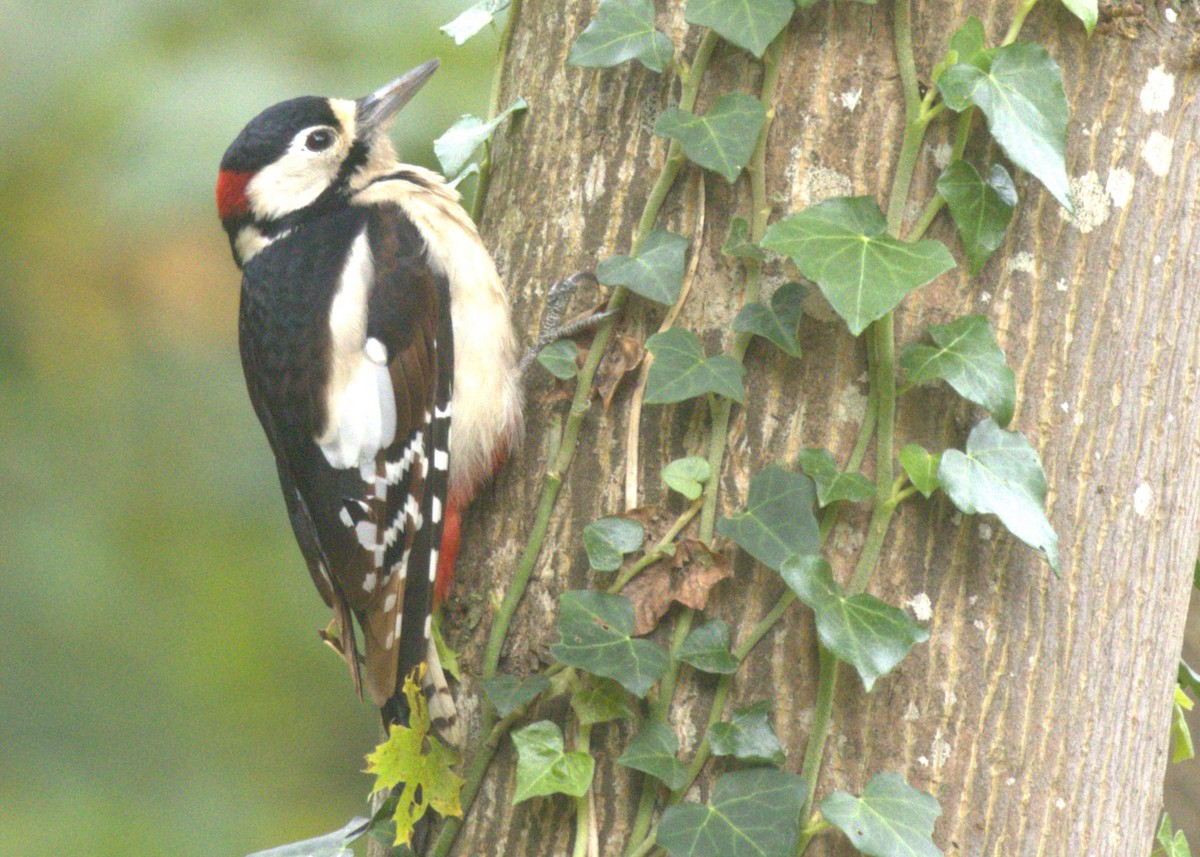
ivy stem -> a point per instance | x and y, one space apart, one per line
659 551
1014 29
642 833
881 363
583 803
581 402
646 845
485 165
815 751
474 779
659 710
760 212
962 129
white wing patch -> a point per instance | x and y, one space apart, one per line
360 404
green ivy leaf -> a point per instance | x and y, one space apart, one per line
681 372
472 169
970 43
1086 11
657 271
921 467
603 701
622 30
748 737
778 322
890 818
652 751
1182 748
870 635
507 693
969 360
687 475
330 845
778 520
842 245
560 359
981 209
1171 843
542 766
455 147
707 649
596 631
1188 677
749 24
607 540
473 20
721 140
756 811
832 484
1022 97
738 243
1001 474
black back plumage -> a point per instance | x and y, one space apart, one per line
285 335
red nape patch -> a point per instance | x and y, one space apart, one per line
451 537
231 193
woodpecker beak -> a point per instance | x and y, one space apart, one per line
375 110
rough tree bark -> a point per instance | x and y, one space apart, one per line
1037 713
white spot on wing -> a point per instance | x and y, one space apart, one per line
433 564
376 352
436 511
367 534
440 459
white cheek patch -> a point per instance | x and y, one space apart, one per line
296 179
291 183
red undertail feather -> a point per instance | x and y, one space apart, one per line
451 538
231 193
452 532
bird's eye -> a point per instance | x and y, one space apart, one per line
319 140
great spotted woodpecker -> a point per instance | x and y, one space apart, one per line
380 359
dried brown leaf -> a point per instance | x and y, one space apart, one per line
693 587
692 573
650 592
622 358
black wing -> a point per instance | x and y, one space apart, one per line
370 533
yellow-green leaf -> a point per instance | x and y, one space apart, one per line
418 760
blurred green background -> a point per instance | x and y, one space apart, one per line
162 687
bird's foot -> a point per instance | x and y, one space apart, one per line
553 327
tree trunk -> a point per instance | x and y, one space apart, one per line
1037 713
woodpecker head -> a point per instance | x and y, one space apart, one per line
304 157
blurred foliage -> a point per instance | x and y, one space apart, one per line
162 687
